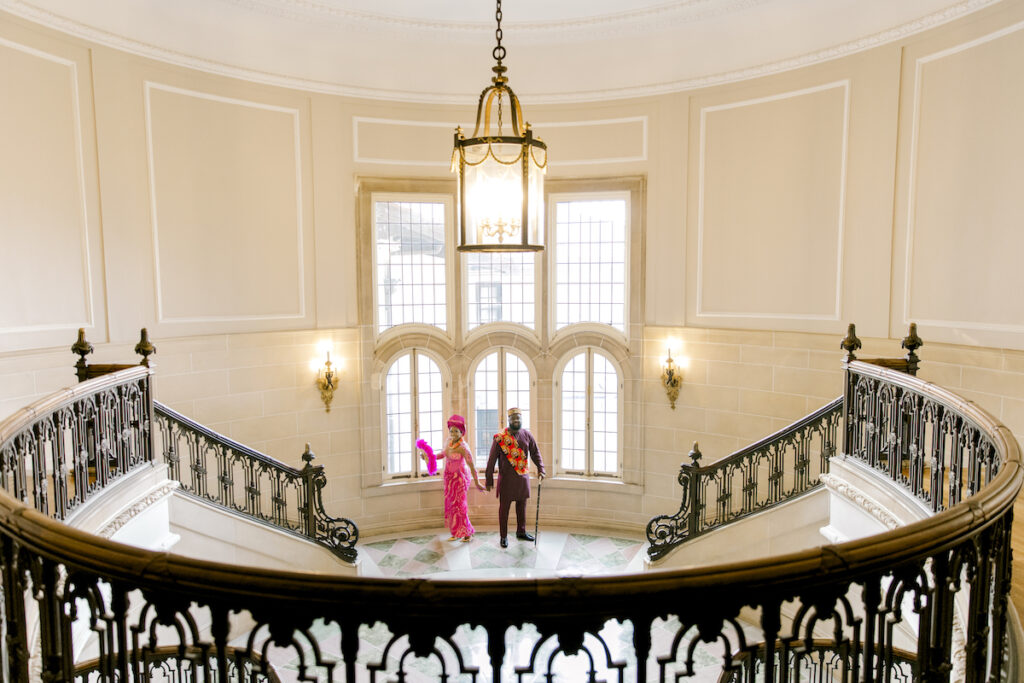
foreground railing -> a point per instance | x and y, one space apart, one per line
217 470
935 589
774 470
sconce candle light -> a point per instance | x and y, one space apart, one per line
672 377
327 380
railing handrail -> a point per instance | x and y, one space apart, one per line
758 492
308 517
771 438
25 417
248 451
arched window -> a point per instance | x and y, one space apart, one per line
588 397
501 381
413 403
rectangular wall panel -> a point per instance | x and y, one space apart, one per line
227 208
771 193
49 270
964 204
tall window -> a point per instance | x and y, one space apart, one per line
409 262
412 410
500 287
589 420
501 381
590 261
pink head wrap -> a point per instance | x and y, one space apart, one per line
457 421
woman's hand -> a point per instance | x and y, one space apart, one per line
479 486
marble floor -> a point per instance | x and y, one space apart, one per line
557 553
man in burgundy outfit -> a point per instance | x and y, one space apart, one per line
510 450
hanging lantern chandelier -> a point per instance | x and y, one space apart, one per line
500 177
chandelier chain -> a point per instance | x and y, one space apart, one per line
499 52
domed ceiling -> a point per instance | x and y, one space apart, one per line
440 50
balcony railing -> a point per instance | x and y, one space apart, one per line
941 580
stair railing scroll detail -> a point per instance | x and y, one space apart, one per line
217 470
774 470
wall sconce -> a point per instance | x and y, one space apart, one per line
327 380
672 376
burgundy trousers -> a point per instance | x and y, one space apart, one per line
503 506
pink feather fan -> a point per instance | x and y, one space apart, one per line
431 458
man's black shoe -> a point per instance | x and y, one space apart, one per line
524 536
504 542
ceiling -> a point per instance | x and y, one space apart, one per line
440 50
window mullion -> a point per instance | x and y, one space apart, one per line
589 418
414 406
502 415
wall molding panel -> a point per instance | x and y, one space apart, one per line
56 219
707 310
250 221
920 291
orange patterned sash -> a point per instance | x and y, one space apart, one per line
510 447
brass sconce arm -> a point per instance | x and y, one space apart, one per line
671 379
327 380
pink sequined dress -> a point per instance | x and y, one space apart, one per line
456 489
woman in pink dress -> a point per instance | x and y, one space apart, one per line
457 457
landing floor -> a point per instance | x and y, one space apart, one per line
557 553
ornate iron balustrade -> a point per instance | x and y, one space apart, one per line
822 661
78 441
915 438
774 470
216 469
174 665
937 580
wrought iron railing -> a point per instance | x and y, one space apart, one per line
819 662
774 470
916 439
78 441
933 581
174 665
217 470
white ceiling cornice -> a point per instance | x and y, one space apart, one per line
643 19
297 43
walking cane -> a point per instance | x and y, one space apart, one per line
536 516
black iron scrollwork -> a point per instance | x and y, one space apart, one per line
270 492
774 470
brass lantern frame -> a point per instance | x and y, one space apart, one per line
522 136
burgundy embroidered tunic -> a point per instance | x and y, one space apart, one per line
511 485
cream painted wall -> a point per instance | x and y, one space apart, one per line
222 215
